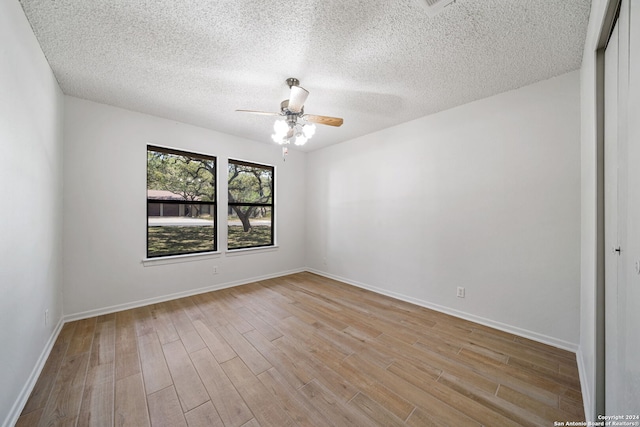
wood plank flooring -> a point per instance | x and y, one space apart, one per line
299 350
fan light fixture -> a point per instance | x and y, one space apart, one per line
285 131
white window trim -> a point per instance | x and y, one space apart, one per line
175 259
245 251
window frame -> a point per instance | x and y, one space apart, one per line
213 203
271 205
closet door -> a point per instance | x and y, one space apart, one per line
622 214
628 310
611 198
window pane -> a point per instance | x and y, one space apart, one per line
173 176
181 193
249 226
250 183
180 228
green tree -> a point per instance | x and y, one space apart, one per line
189 177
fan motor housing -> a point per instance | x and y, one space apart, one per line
284 108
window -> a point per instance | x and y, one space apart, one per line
181 202
250 211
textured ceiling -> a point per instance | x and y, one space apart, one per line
375 63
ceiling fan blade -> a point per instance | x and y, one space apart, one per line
263 113
324 120
297 98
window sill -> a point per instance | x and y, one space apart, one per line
174 259
244 251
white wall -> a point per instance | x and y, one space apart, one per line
484 196
31 209
105 209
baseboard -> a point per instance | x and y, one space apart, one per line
169 297
541 338
586 395
21 401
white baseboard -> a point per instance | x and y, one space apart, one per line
535 336
169 297
21 401
586 395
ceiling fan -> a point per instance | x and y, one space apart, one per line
292 110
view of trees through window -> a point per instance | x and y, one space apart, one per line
250 211
181 202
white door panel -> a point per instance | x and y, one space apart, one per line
611 218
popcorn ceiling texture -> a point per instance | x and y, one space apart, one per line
375 63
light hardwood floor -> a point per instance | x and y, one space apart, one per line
298 350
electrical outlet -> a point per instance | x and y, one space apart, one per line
215 269
460 293
46 317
